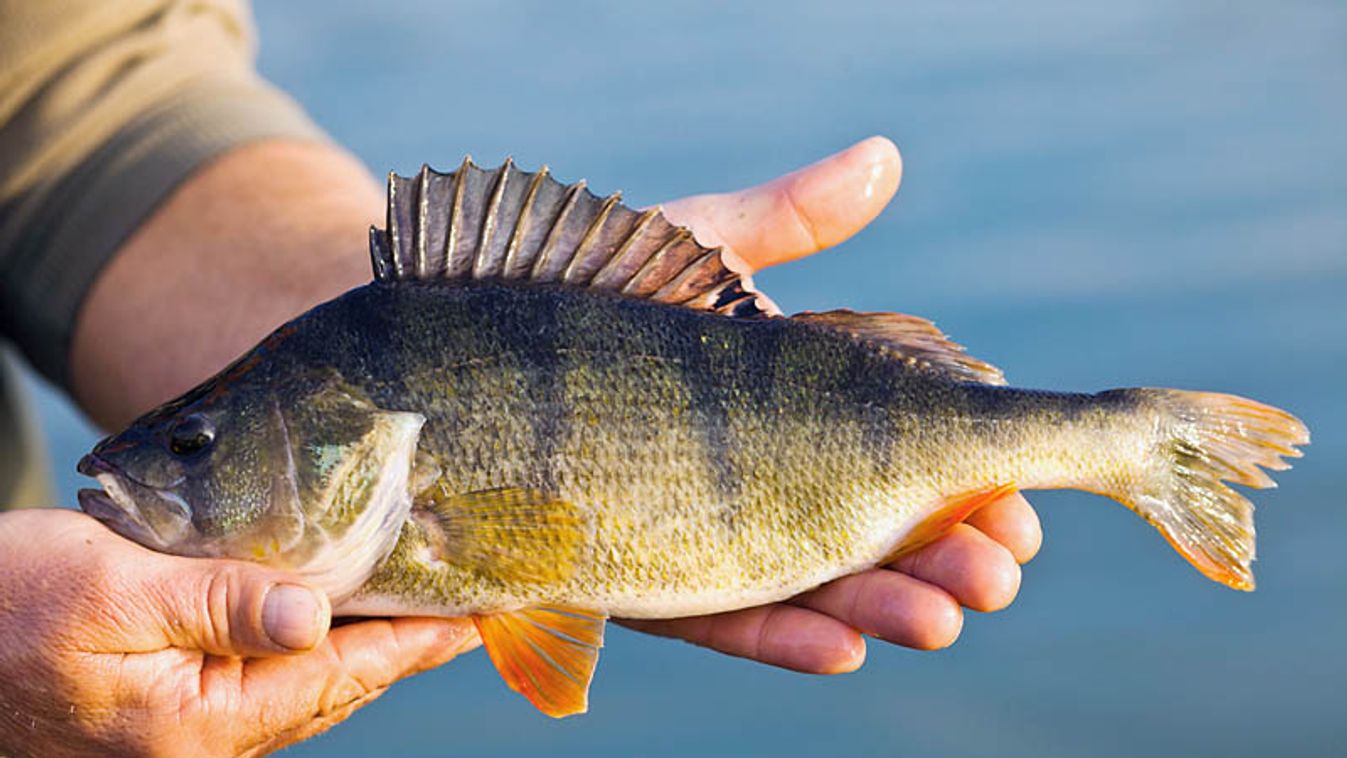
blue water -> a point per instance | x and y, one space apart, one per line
1096 195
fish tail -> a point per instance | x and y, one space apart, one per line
1205 438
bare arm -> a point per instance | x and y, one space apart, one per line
247 242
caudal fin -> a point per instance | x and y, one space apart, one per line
1209 437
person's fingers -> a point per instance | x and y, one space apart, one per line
781 635
977 570
224 608
299 697
894 607
1012 522
802 212
271 743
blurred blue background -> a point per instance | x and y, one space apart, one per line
1095 195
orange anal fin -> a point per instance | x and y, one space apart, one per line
546 654
952 511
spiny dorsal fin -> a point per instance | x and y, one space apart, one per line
519 227
912 339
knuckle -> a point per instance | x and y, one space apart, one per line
218 594
800 213
343 690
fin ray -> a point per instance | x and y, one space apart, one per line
911 338
527 228
1209 437
547 654
509 533
952 511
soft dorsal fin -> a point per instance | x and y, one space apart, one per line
520 227
910 338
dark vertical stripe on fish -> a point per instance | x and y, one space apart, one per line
761 356
756 359
708 404
546 385
872 394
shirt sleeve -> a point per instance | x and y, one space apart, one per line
105 108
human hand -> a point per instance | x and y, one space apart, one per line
110 648
915 601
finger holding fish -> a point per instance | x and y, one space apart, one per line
1012 522
779 634
891 606
978 571
192 659
916 604
293 699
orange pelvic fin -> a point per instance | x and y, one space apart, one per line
954 510
546 654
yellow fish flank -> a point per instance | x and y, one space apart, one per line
549 409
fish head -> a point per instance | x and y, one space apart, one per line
289 472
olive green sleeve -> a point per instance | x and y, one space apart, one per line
104 109
25 473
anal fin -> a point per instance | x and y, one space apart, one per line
952 511
546 654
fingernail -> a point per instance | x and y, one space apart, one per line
290 616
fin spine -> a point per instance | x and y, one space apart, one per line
607 270
489 221
591 234
521 223
451 226
550 246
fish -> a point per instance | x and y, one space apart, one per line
548 409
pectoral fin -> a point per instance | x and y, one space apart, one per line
546 654
510 534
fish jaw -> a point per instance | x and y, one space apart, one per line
117 506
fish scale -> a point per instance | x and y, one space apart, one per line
733 489
549 409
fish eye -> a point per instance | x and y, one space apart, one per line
191 435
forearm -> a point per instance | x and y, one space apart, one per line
248 241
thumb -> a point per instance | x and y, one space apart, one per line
233 609
805 211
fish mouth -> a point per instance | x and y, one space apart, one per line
99 505
118 505
93 465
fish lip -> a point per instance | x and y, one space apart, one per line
99 505
92 465
117 508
